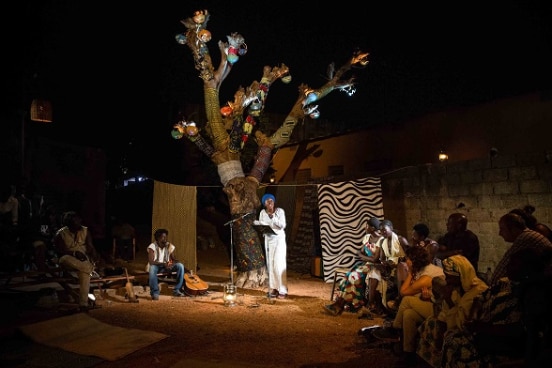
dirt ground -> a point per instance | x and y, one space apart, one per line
291 332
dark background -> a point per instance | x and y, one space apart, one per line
117 78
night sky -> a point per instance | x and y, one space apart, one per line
114 72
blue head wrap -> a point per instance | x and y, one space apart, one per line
267 196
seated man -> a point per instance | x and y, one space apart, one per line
459 240
77 253
161 259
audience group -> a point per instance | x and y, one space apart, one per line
438 307
27 227
444 312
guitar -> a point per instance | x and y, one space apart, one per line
194 285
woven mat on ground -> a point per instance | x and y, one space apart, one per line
82 334
19 351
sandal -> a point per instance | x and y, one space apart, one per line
333 310
378 312
365 313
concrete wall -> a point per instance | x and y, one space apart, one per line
418 188
482 189
513 126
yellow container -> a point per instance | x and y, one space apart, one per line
316 267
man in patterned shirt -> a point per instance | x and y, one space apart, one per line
513 230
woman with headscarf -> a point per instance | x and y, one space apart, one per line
275 246
352 289
510 319
453 302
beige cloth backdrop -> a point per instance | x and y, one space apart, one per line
175 209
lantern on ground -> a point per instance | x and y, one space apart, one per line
230 295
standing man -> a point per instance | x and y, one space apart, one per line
161 258
77 253
275 246
459 240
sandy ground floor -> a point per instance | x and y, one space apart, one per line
257 331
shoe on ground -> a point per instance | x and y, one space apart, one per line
378 312
368 330
178 294
155 297
273 294
368 334
282 296
389 334
365 313
333 309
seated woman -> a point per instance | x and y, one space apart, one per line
453 299
506 320
419 238
416 303
392 250
353 288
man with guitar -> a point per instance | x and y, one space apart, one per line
161 259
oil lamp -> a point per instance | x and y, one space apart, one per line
230 295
